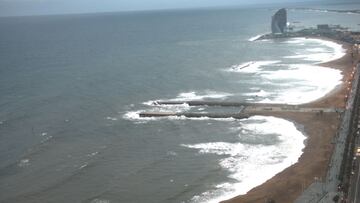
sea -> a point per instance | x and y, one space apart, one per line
72 88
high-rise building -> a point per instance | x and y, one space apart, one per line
279 21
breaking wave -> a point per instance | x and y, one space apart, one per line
317 55
299 83
251 66
243 160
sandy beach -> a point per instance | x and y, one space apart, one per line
320 130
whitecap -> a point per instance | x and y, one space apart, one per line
203 118
190 96
318 57
171 153
132 115
254 38
93 154
243 160
111 118
321 55
83 166
24 163
154 103
100 201
338 50
260 93
251 66
307 84
193 95
46 138
135 116
296 40
150 103
318 49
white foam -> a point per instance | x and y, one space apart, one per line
338 50
100 201
260 93
150 103
255 38
243 160
46 138
111 118
178 108
191 96
310 82
317 10
24 163
135 116
296 40
186 96
251 66
83 166
303 82
331 11
93 154
154 103
318 55
203 118
171 153
318 49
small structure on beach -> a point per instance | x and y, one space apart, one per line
279 21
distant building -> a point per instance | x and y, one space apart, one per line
323 27
279 21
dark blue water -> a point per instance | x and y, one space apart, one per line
67 84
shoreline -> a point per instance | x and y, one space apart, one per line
320 130
335 97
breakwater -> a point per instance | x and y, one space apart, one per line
243 109
239 115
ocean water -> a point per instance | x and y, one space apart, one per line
72 86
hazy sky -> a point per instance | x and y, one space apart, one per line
36 7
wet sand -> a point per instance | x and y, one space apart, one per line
320 130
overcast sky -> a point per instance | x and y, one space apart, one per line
40 7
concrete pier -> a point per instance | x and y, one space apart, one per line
195 115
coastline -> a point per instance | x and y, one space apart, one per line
320 130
